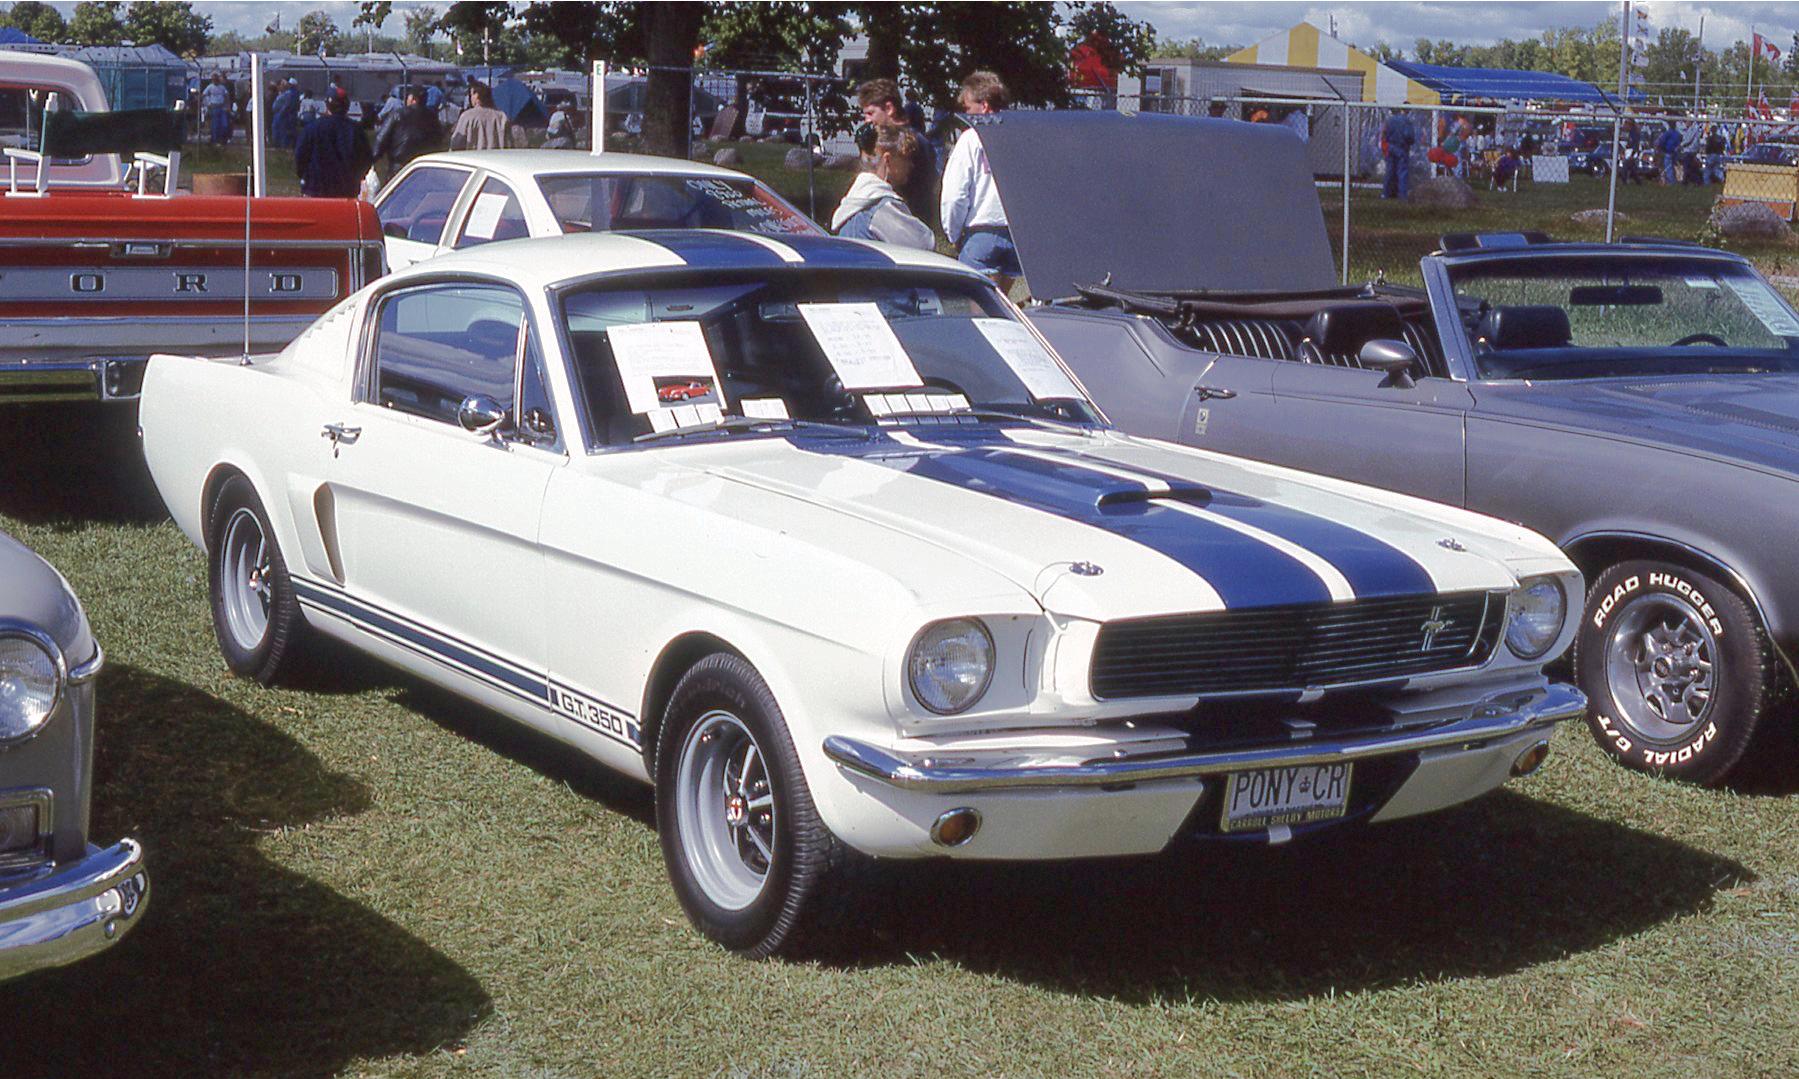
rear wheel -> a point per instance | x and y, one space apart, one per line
1677 672
254 613
751 863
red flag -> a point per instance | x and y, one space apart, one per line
1762 45
1762 107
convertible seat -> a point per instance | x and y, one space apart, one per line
1526 326
1335 335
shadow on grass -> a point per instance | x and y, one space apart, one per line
1481 890
68 465
239 966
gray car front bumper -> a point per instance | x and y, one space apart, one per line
73 911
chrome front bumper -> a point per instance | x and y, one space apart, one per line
73 911
1495 719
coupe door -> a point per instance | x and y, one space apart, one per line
1343 422
437 527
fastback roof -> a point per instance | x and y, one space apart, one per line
1157 202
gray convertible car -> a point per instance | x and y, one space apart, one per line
1637 402
61 898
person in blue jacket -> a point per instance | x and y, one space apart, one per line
333 153
1397 137
1669 145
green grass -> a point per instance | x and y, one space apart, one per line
368 878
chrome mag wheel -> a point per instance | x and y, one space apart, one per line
725 810
245 583
1661 663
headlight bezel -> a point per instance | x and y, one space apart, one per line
1513 617
913 670
25 631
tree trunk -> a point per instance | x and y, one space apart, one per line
886 31
671 31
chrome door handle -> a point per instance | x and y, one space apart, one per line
1207 393
340 434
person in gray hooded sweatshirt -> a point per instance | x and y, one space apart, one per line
872 209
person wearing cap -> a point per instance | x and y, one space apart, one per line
333 154
284 114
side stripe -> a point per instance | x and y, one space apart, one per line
465 658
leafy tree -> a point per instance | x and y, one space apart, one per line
173 25
41 21
937 44
475 27
1123 43
1195 49
421 27
96 24
369 18
671 32
317 33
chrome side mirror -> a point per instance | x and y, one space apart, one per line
481 415
1393 357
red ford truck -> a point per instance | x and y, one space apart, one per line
97 274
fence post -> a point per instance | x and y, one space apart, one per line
259 152
599 107
1348 116
806 140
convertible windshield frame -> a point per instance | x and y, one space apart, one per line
1666 279
685 277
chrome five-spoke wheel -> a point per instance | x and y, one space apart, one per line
727 810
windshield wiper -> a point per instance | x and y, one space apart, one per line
990 414
752 424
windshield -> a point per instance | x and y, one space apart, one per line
607 203
851 349
1608 315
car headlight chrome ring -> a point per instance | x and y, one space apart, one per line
950 665
33 675
1537 611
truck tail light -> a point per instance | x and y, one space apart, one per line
371 264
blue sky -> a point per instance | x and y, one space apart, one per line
1471 22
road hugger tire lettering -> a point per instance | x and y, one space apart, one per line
759 886
1676 669
254 612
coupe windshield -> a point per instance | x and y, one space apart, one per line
852 349
1593 317
605 203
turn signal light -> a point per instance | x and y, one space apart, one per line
1530 760
956 827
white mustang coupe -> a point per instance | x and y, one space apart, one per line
821 539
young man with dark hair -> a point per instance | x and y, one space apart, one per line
406 134
333 154
973 218
481 126
881 106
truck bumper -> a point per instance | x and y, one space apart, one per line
92 379
74 911
1047 803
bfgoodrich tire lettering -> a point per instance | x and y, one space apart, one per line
1677 672
752 900
254 613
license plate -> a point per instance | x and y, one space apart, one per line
1298 795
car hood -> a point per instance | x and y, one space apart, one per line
34 594
1157 202
1749 419
1104 526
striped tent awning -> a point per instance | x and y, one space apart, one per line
1306 46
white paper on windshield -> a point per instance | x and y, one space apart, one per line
765 408
1762 303
861 346
666 370
484 219
1027 358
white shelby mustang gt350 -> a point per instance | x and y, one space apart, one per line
884 583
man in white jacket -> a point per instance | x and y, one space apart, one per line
973 218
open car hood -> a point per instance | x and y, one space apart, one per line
1158 202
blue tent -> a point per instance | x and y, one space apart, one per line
520 104
1467 85
12 35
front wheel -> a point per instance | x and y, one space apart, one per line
753 866
1677 672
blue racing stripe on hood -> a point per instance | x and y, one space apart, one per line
1245 572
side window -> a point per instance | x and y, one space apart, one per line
435 346
495 215
418 208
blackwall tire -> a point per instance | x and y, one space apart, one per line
255 615
1677 672
751 863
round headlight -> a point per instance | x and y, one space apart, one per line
950 665
31 679
1538 609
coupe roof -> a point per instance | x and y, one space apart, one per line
1157 202
525 164
549 261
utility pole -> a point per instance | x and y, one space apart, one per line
1699 63
1749 90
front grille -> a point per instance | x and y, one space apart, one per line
1306 646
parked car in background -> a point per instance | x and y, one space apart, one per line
895 591
61 897
452 201
1636 402
98 276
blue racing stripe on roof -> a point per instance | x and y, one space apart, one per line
713 250
829 252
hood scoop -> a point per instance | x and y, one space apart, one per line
1134 496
